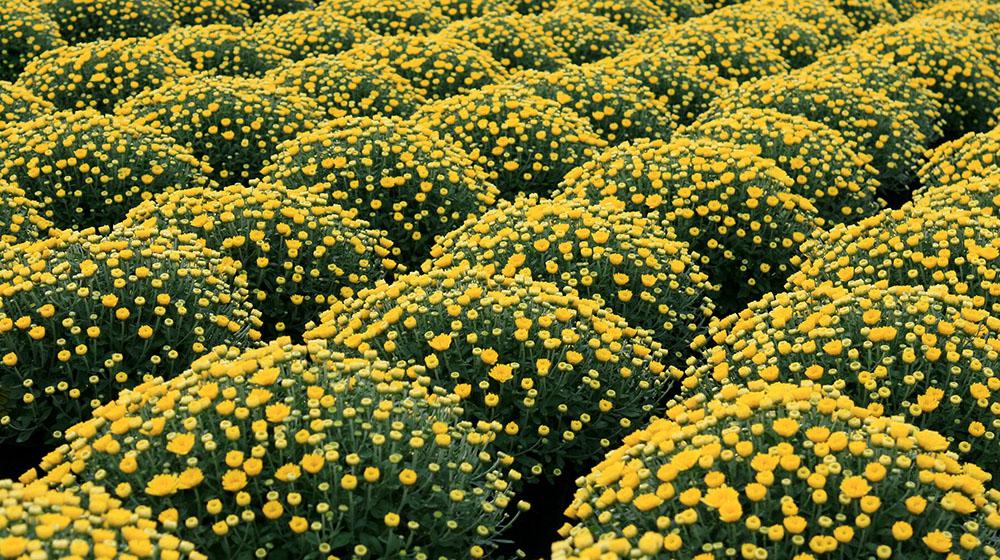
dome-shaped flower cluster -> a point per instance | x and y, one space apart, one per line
209 12
883 127
624 258
260 9
436 64
83 316
101 74
556 374
687 85
618 107
516 41
402 178
911 246
38 520
638 15
780 471
342 85
25 32
82 21
298 252
311 32
972 156
221 49
233 124
266 452
389 17
960 59
88 169
736 55
526 142
584 37
735 209
923 353
825 167
799 41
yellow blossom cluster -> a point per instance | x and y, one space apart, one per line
83 316
288 450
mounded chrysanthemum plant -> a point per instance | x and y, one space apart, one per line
311 32
101 74
914 245
584 37
781 471
736 210
400 177
391 17
345 86
84 316
299 253
624 258
526 142
687 85
557 375
618 107
88 169
83 21
826 167
225 50
969 157
43 520
737 55
233 124
518 42
883 127
437 64
25 32
928 355
267 453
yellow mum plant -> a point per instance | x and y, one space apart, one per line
88 169
266 453
101 74
400 177
915 245
515 41
298 252
25 32
526 142
556 375
389 17
687 85
208 12
225 50
781 471
969 157
311 32
618 107
437 64
19 104
585 37
233 124
826 167
83 316
923 353
624 258
733 208
735 54
345 86
82 21
21 218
